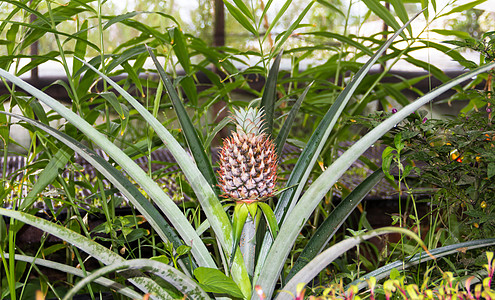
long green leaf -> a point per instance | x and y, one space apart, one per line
39 31
455 55
180 49
109 172
435 71
401 12
188 129
126 291
462 8
341 38
94 249
125 56
308 157
39 16
49 173
219 221
296 219
463 35
80 48
171 275
270 94
284 131
416 259
173 213
384 14
240 17
331 6
275 20
335 219
245 10
120 18
292 27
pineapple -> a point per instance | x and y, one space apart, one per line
248 161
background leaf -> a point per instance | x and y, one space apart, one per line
214 281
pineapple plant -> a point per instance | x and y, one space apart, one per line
248 160
248 171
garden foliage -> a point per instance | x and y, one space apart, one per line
168 249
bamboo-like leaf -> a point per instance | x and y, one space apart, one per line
188 129
173 276
36 60
91 247
335 219
133 76
219 221
146 30
125 56
49 173
284 131
180 49
318 189
80 48
270 94
245 10
384 14
190 88
447 51
11 37
240 17
435 71
275 20
457 33
120 18
401 12
114 102
292 27
224 122
321 261
341 38
117 287
173 213
331 6
416 259
4 129
40 30
462 8
39 16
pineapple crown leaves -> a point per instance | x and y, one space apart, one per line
249 120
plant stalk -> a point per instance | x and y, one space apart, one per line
247 244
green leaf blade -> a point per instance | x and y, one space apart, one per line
270 94
188 128
214 281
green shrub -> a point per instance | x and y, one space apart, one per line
477 286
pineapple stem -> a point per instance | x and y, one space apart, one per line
247 244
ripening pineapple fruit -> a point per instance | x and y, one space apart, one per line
248 162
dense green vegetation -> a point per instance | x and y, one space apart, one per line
149 79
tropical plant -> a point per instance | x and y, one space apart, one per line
396 286
196 272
